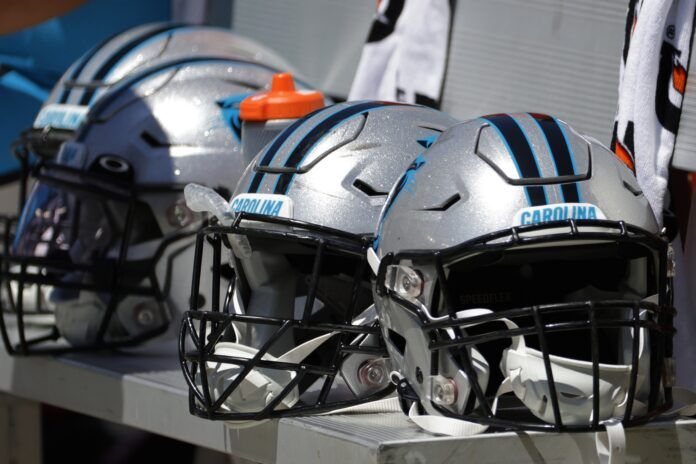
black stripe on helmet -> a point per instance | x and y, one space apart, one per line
315 134
522 154
120 53
561 153
65 94
133 79
273 150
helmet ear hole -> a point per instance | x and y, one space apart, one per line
151 140
112 166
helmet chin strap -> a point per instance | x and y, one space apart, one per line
455 427
262 385
610 444
609 451
78 319
613 450
450 426
34 297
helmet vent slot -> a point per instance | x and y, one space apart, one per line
152 140
367 189
447 204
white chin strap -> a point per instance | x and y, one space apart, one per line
9 292
383 406
450 426
459 427
262 385
611 445
573 381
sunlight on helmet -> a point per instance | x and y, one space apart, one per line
535 291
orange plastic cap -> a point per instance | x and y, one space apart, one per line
281 102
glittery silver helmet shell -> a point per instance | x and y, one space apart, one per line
479 179
132 51
105 231
298 225
338 164
512 247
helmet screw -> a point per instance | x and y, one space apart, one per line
412 283
373 373
145 315
178 214
406 283
444 391
404 280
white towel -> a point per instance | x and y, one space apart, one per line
651 91
405 54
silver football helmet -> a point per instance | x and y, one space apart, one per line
518 256
108 63
105 233
296 331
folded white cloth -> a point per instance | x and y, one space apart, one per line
651 91
405 54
